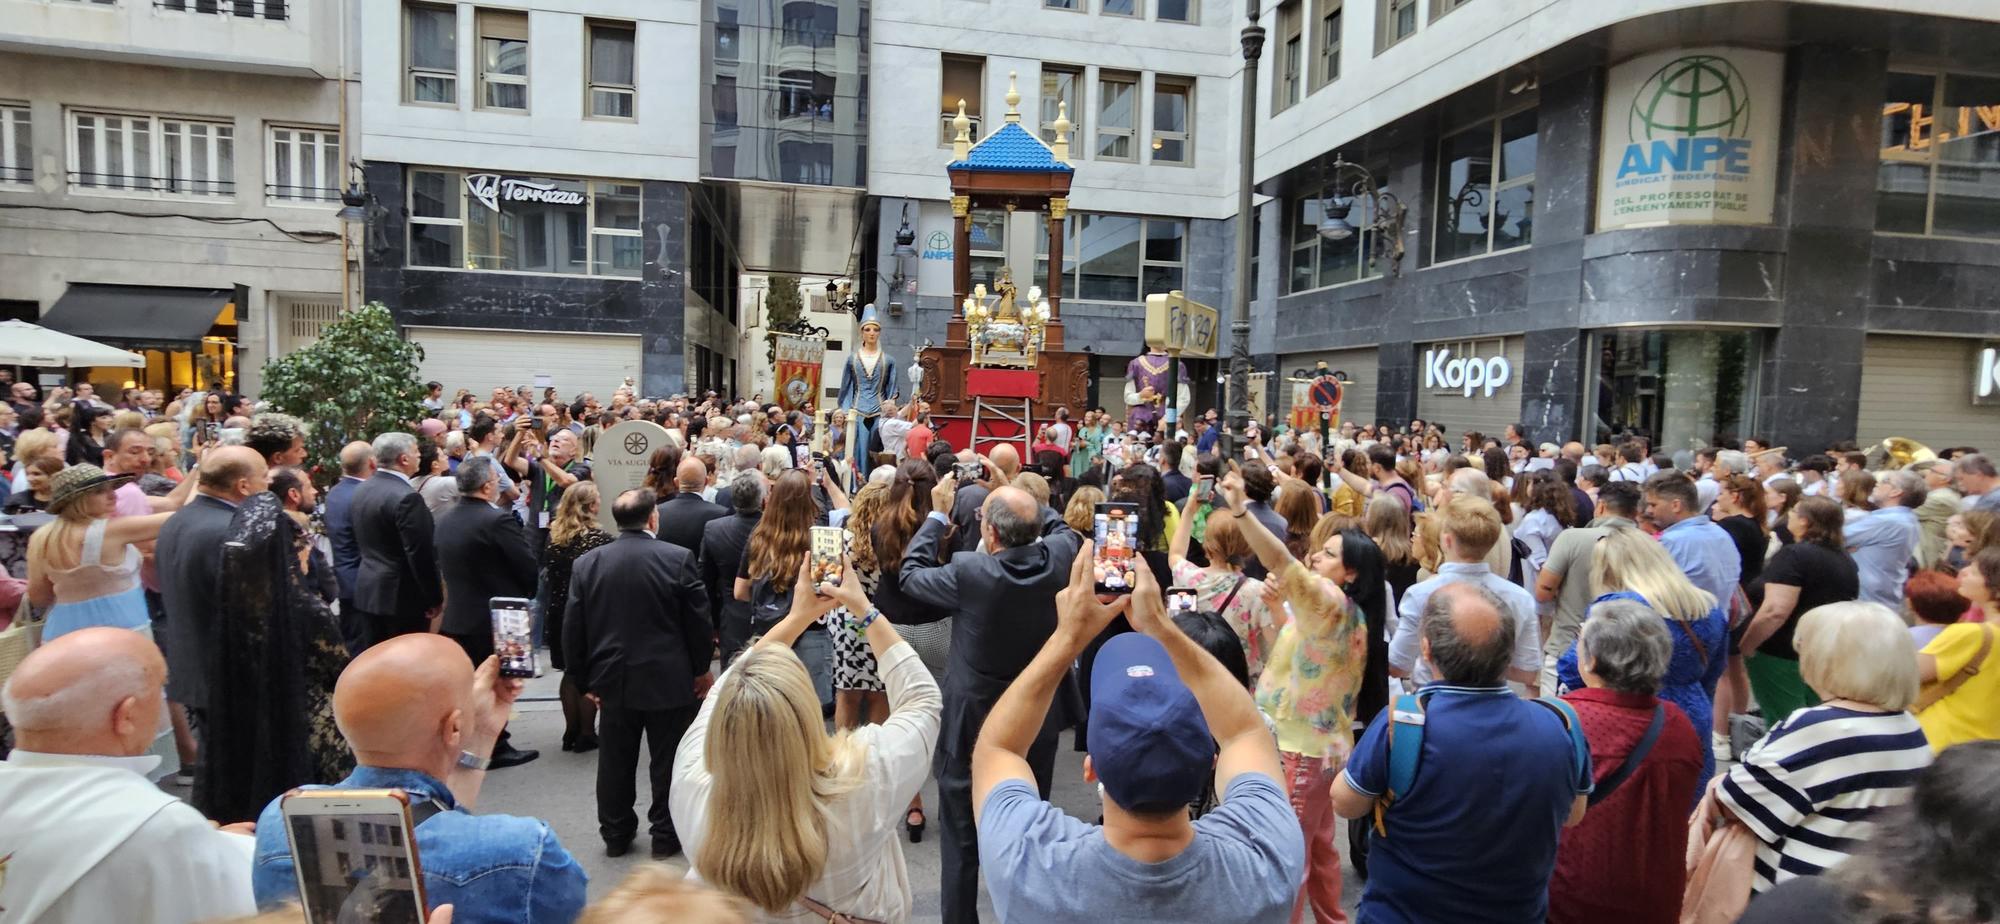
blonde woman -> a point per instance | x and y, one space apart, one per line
857 689
1081 514
1630 565
771 808
572 533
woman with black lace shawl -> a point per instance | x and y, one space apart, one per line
269 724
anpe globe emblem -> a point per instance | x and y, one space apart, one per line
1692 95
939 241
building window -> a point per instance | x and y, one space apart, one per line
722 101
1317 261
1677 387
804 95
246 9
1059 85
179 157
1175 10
1399 21
1117 114
808 24
805 162
525 224
1291 57
503 60
17 142
303 165
1486 188
988 248
612 88
1121 7
1326 64
1173 120
1062 5
963 78
725 35
1120 258
1441 7
430 51
1940 158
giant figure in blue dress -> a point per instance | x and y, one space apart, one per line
868 378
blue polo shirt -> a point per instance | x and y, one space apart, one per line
1474 840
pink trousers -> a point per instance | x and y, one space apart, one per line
1308 779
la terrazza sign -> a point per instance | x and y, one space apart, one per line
1443 372
491 189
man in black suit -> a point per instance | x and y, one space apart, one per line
483 553
1003 609
397 589
684 516
188 556
966 505
723 544
357 465
639 641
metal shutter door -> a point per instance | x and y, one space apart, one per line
482 360
1357 399
1921 388
1456 413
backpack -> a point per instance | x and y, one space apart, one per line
770 602
1406 749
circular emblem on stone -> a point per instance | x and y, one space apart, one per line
635 443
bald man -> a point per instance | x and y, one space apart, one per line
1501 777
1003 604
189 553
85 837
357 464
685 515
421 720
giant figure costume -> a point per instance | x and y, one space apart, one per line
1149 370
868 377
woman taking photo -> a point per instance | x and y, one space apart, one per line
572 533
1222 587
777 546
1814 570
1960 667
1309 684
88 427
773 809
1808 788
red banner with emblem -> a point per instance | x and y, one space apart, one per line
797 369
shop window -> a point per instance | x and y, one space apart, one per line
1399 21
1118 258
1173 120
1326 64
963 78
1675 387
1175 10
1318 260
17 144
430 54
522 224
1940 157
503 60
1117 114
612 86
146 154
1285 87
302 165
1059 85
1486 188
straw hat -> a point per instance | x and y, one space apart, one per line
1780 450
77 480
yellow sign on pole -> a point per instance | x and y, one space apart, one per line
1182 326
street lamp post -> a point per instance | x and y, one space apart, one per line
1239 324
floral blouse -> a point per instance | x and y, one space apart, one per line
1246 613
1313 673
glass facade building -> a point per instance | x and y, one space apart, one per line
787 91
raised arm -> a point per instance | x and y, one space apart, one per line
1244 742
1177 548
922 575
1269 549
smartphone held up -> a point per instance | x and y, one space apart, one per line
355 854
1116 558
514 635
828 543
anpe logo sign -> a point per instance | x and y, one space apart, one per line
1690 135
1470 373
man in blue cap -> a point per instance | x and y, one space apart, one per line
1165 716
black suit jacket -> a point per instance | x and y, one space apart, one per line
188 556
683 517
398 575
483 553
1003 611
636 631
723 544
340 533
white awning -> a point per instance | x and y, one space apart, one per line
25 344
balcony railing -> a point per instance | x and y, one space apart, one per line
274 10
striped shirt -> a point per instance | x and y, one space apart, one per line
1809 788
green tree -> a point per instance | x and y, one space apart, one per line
782 305
359 379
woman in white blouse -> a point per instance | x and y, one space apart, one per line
772 808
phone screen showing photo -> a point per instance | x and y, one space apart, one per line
355 868
827 544
1116 559
1181 600
514 635
1204 489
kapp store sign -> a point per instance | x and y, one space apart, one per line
1469 373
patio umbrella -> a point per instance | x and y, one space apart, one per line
25 344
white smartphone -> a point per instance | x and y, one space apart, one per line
355 854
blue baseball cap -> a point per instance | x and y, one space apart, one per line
1149 744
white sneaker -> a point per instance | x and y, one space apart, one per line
1720 742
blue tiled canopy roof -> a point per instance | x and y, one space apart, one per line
1012 148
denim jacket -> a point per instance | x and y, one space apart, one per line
492 868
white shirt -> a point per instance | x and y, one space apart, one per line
865 875
88 840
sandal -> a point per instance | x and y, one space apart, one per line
915 827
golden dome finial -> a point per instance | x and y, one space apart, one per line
961 142
1062 126
1013 98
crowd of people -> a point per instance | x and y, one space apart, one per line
1495 662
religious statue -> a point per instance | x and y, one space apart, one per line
1146 387
1006 309
868 377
